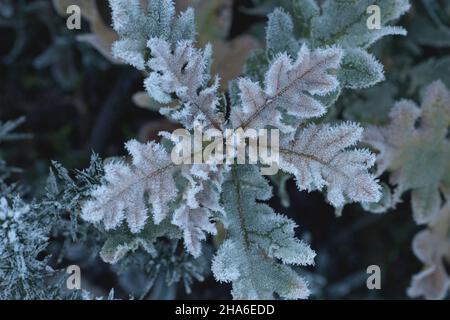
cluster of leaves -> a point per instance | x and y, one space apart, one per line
412 62
420 134
301 78
64 195
412 141
333 23
321 63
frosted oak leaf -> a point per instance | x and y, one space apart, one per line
289 89
260 244
129 190
184 72
319 156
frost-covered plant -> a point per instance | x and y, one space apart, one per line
136 25
339 23
257 237
149 197
151 220
24 235
65 192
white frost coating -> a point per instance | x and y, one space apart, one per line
289 87
224 265
123 193
136 25
319 157
260 244
200 198
155 196
184 73
23 236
